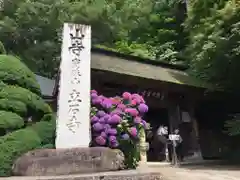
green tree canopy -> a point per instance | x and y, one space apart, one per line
35 27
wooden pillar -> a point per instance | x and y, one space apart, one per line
195 136
174 117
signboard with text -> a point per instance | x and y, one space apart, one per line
73 122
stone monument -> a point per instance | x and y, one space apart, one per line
73 123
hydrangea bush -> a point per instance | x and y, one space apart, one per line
116 123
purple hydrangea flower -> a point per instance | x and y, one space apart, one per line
102 97
114 144
106 104
132 111
94 95
101 114
94 119
98 127
107 126
125 137
103 134
115 119
112 139
133 132
100 140
112 131
137 120
107 117
144 123
126 96
143 108
102 120
96 101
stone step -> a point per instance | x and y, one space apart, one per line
117 175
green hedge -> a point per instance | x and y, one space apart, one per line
35 104
19 142
14 72
15 106
10 121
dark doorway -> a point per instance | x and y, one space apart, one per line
156 117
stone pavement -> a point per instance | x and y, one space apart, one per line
199 172
185 172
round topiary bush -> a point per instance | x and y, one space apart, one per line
117 122
21 102
19 92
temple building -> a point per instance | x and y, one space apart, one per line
172 95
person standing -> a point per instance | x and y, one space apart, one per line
178 145
162 136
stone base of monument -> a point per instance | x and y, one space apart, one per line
52 162
95 163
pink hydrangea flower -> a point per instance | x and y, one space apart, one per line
106 103
135 96
142 100
126 96
132 111
133 102
121 106
93 91
133 132
100 140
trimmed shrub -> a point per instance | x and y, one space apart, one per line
35 104
46 130
14 144
10 121
14 72
47 146
19 100
15 106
